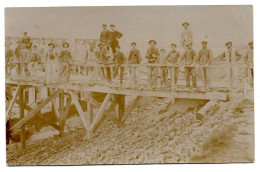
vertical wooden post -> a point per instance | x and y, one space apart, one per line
121 106
61 112
89 119
173 83
22 132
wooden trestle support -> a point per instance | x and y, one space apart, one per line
113 107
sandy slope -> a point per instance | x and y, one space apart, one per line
150 136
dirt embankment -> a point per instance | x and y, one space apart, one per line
152 136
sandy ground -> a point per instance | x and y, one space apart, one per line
226 134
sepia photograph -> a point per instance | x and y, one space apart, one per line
102 85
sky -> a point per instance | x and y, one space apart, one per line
216 24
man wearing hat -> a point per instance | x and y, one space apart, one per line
26 40
173 58
152 57
17 53
113 38
25 58
231 57
64 60
52 64
189 59
163 67
104 35
249 59
204 58
134 58
104 59
8 59
34 60
186 35
119 59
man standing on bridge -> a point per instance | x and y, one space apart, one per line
186 35
104 59
104 35
134 58
26 40
249 59
52 64
204 58
113 38
173 58
189 59
119 59
152 56
65 59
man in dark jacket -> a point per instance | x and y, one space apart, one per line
104 35
26 40
113 37
119 59
134 58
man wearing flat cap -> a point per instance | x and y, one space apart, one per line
152 57
249 59
231 56
104 35
26 40
186 35
204 58
113 37
134 58
173 58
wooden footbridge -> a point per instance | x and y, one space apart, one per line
82 85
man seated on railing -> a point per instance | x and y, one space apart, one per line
119 59
103 58
231 57
134 58
152 56
249 59
173 58
65 59
163 69
189 59
34 60
8 59
25 58
204 58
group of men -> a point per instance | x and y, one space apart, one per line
109 54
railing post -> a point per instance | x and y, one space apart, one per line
22 132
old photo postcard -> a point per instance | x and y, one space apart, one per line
129 85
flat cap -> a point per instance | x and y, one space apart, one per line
133 43
229 43
104 25
173 45
51 44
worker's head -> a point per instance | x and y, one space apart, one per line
152 43
34 47
100 46
162 51
112 27
65 45
117 48
185 25
251 45
104 26
51 45
173 46
25 34
229 45
204 44
133 45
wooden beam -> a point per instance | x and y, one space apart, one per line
100 112
92 100
51 123
131 107
201 113
36 110
79 109
11 104
22 131
26 107
121 106
65 114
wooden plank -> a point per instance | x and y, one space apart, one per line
26 107
201 113
89 113
100 112
131 107
92 100
11 104
36 110
22 131
79 109
121 106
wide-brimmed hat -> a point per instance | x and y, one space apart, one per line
133 43
152 41
229 43
65 44
112 25
173 44
250 43
185 23
104 25
51 44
